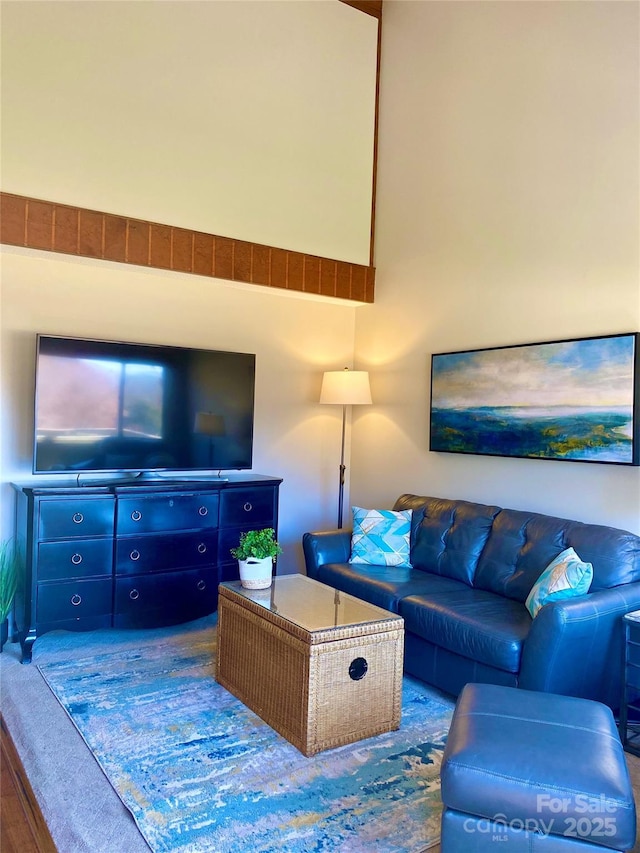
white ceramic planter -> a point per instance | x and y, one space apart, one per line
256 574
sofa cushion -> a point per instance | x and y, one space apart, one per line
449 535
522 544
520 547
381 585
614 554
565 577
380 537
474 623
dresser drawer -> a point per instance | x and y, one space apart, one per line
141 554
76 517
155 513
229 571
74 559
165 599
251 507
73 600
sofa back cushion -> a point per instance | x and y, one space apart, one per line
522 544
505 550
447 536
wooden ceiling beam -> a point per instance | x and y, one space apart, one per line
370 7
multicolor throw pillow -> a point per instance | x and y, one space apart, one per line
565 576
381 537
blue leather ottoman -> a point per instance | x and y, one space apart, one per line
524 771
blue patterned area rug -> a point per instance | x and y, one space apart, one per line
201 772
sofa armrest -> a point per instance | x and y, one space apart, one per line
327 546
576 646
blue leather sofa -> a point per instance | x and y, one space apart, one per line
463 599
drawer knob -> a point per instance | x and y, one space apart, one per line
201 585
134 555
76 559
136 515
77 518
247 507
203 510
76 599
202 548
134 594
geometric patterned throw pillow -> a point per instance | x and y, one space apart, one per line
565 576
380 537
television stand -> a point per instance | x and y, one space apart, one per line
134 553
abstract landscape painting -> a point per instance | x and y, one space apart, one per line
574 400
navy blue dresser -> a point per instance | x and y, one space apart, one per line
131 556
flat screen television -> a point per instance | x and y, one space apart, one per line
106 406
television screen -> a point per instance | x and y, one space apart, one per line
109 406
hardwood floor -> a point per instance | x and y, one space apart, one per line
22 827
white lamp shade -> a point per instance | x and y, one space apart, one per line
346 387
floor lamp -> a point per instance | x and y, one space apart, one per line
344 388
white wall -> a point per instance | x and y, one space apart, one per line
295 338
252 120
507 213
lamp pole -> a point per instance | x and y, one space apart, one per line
343 468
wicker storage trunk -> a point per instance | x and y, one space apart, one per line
319 686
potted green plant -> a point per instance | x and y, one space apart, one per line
9 568
255 555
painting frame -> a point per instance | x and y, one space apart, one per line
573 400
